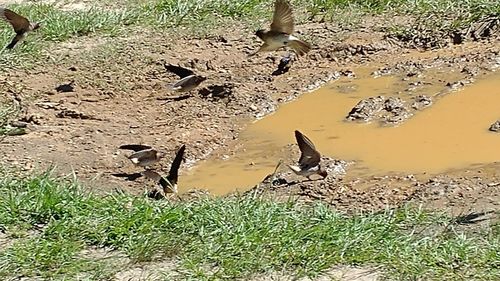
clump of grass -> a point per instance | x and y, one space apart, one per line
228 238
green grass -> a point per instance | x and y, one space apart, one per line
52 221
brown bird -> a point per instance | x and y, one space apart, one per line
309 161
169 184
280 34
144 155
20 24
188 80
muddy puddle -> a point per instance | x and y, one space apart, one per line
452 133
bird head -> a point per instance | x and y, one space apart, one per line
323 173
200 78
260 33
35 26
161 154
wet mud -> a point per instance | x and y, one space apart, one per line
384 110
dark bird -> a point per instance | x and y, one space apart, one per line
472 218
281 31
189 80
67 87
169 183
283 66
309 161
20 24
144 155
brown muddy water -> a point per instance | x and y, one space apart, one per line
452 133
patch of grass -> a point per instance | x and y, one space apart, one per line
46 258
228 238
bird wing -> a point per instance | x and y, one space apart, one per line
309 156
168 187
135 147
178 70
152 175
173 174
15 40
142 155
283 17
185 82
19 23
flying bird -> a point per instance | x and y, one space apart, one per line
144 155
169 183
281 31
189 80
20 24
309 161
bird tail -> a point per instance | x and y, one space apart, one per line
300 47
16 39
13 43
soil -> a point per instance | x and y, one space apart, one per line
119 94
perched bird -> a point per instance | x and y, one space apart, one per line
309 158
280 34
20 24
169 184
188 80
144 155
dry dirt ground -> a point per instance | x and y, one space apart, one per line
121 97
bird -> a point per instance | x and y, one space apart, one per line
309 161
144 155
280 33
66 87
284 65
169 183
20 24
189 80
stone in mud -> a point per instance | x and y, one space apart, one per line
366 109
382 71
421 102
390 110
458 84
495 127
470 71
397 112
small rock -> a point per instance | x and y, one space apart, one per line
421 101
495 127
396 109
366 109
